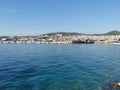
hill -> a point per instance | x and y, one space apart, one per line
113 33
65 33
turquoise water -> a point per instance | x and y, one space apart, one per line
58 66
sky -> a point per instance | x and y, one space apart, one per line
30 17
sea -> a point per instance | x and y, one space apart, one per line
58 66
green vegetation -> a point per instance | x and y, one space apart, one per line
65 33
113 33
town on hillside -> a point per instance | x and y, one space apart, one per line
112 37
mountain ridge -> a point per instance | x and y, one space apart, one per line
114 32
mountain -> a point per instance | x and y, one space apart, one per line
113 33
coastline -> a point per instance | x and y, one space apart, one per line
53 43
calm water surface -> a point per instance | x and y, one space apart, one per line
58 67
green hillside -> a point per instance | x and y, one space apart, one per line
113 33
65 33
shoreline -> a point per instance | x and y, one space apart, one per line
66 43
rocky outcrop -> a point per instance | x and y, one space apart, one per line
112 85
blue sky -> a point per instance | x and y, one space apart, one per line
27 17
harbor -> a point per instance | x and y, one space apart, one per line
60 38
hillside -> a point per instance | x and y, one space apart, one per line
113 33
65 33
75 33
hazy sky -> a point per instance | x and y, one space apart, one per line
24 17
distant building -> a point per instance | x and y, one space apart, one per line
4 39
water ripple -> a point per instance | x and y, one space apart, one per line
58 67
